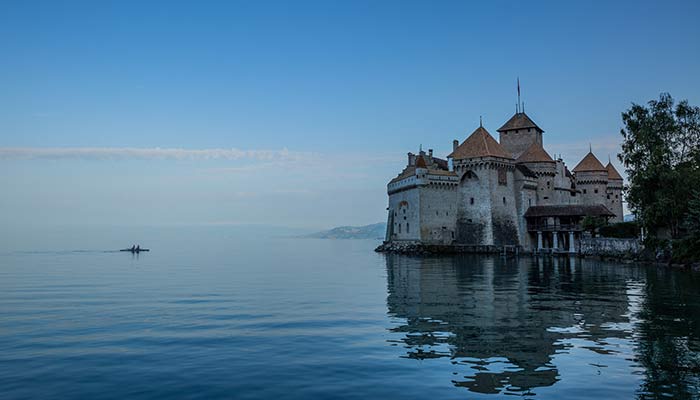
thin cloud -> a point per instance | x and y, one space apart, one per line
119 153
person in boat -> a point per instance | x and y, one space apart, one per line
138 247
133 247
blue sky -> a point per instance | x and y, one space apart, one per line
320 100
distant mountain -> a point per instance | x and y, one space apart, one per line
374 231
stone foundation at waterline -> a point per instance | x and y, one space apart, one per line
611 247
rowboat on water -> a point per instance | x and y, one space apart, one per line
135 250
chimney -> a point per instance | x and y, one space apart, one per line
455 144
411 159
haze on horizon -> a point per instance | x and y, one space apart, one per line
299 113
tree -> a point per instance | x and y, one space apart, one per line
593 224
661 154
692 221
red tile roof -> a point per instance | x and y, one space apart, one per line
535 153
589 164
612 172
480 144
597 210
519 121
420 162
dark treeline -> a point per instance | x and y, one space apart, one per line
661 154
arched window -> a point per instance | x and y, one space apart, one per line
408 230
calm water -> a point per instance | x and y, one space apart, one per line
216 313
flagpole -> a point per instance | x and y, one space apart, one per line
518 93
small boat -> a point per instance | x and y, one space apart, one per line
135 250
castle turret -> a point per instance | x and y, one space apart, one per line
542 164
614 192
592 180
487 209
519 133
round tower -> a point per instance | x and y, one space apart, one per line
540 162
591 180
614 192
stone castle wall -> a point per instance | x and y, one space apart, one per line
614 199
438 215
504 217
611 247
404 207
474 214
517 141
593 186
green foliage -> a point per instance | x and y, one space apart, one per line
661 154
686 250
692 220
624 230
592 224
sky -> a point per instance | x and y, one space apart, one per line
297 113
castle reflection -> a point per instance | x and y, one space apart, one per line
501 322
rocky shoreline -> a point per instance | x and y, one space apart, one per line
412 247
418 249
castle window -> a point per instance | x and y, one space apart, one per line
452 234
404 211
608 197
399 228
447 213
529 202
504 200
584 191
502 176
546 198
595 191
615 196
471 200
407 228
548 184
437 212
528 129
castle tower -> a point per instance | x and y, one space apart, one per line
519 133
542 164
614 192
486 199
592 180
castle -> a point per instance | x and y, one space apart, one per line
501 193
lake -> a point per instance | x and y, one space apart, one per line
221 312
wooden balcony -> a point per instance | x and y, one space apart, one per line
554 227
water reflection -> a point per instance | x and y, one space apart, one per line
509 326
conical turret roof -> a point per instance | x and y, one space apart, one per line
420 162
519 121
612 172
480 144
535 153
589 164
